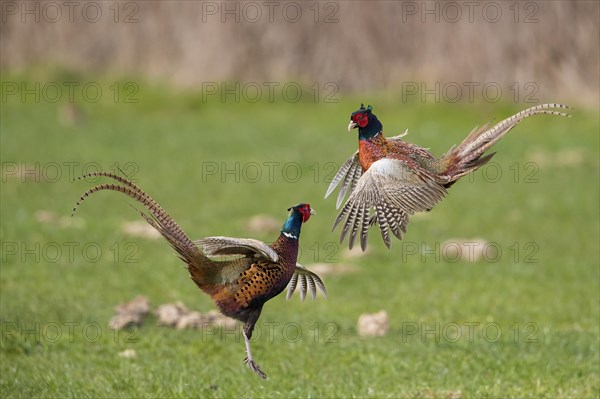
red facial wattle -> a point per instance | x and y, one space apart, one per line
361 120
305 210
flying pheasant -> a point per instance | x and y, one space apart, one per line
397 179
252 271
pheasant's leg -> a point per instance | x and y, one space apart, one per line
250 360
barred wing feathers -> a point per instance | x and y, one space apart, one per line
348 176
308 281
215 246
394 189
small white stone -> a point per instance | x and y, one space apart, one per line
128 354
170 313
373 324
140 229
263 224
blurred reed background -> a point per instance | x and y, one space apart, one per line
219 165
359 45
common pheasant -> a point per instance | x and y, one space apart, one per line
397 179
249 272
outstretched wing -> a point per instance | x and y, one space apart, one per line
308 280
348 175
394 188
215 246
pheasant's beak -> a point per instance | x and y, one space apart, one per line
313 212
352 125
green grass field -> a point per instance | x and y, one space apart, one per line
523 323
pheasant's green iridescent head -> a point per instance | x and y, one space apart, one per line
367 123
298 214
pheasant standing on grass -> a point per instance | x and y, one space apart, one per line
397 179
241 285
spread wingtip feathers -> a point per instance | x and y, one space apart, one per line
308 281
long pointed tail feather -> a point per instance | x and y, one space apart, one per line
157 217
466 157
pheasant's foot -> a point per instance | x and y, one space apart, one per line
254 367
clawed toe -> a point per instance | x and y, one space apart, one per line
254 367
